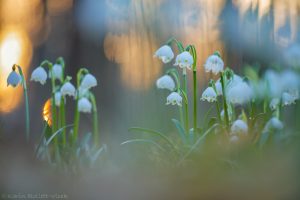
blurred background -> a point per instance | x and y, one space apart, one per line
116 40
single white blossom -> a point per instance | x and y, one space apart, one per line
214 64
273 124
164 53
57 71
13 79
174 98
287 99
209 95
239 127
57 97
84 105
219 88
68 89
39 75
274 103
165 82
184 60
88 81
239 93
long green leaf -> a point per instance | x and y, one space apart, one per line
180 129
56 133
153 132
143 141
197 143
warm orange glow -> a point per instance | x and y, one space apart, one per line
15 48
134 49
47 114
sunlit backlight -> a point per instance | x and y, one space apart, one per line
15 48
47 114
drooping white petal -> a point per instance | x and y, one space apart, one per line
273 124
57 97
209 95
165 54
184 60
57 71
84 105
287 99
214 64
39 75
239 127
174 99
219 88
13 79
239 93
274 103
88 81
165 82
68 89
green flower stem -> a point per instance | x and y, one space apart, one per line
63 120
77 114
195 99
186 107
27 118
95 120
225 102
217 103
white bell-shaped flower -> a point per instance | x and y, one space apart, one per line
184 60
239 93
68 89
165 54
39 75
219 88
174 99
88 81
13 79
273 124
214 64
209 95
239 127
84 105
57 71
287 99
274 103
165 82
57 97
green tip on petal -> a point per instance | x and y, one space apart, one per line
217 53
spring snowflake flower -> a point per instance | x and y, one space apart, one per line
287 99
273 124
88 81
84 105
274 103
239 93
219 88
214 64
39 75
165 82
239 127
68 89
57 97
165 54
209 95
174 98
57 71
184 60
13 78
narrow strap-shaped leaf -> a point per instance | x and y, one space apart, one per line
180 129
153 132
56 133
143 141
